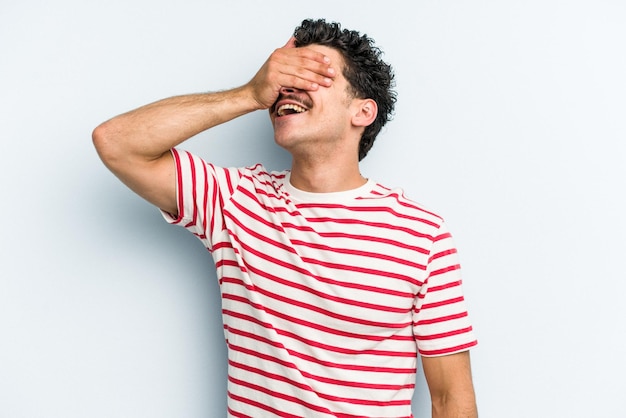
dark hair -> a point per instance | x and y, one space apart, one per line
368 75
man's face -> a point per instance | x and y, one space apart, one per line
306 121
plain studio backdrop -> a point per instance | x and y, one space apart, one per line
510 123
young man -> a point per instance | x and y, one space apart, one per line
331 283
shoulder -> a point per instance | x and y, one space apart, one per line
257 179
260 171
406 207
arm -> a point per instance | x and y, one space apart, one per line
135 146
450 384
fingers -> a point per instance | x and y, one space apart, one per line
291 43
302 68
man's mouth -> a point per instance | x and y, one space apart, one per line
291 104
289 109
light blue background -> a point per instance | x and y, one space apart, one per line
510 123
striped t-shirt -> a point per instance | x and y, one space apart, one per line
326 298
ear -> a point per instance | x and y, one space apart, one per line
365 112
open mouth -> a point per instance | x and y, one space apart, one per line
289 109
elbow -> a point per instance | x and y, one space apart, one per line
104 141
98 137
462 404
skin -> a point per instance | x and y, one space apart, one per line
135 145
449 380
323 142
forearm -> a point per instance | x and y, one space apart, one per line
152 130
450 383
149 132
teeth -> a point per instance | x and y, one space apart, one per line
282 110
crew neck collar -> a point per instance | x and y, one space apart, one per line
330 197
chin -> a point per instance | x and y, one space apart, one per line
284 138
282 142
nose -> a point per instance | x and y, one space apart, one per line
288 90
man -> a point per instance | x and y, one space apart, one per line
331 283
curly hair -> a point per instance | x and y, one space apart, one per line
367 74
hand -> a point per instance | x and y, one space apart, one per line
299 68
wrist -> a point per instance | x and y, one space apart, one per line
245 95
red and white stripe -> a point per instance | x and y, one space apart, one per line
327 298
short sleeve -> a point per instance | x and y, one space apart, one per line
201 192
441 321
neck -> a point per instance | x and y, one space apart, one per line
326 176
